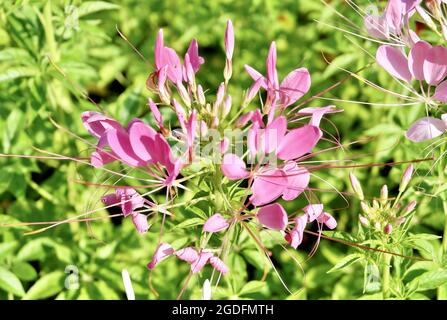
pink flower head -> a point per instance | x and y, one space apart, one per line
273 216
215 223
165 56
163 251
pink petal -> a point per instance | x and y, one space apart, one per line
317 113
194 58
313 211
256 75
163 251
244 119
187 254
110 199
416 59
393 14
215 223
297 181
441 92
328 220
298 142
142 139
268 139
234 167
425 129
119 142
172 60
224 144
376 26
100 158
219 265
267 186
294 86
201 261
140 222
394 62
295 236
130 200
159 50
229 40
272 74
156 113
97 123
273 216
435 65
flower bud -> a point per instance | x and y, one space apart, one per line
229 40
206 291
365 207
388 228
201 95
220 94
253 90
226 106
203 128
224 144
384 193
356 186
364 221
406 178
400 220
410 207
184 94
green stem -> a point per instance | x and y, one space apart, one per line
386 275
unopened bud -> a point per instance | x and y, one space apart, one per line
410 207
201 95
228 70
226 106
184 94
215 123
364 221
406 178
356 186
224 144
365 207
203 128
220 94
384 193
400 220
388 228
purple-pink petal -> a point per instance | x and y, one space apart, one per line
140 222
233 167
187 254
163 251
215 223
416 59
298 142
425 129
201 261
435 65
219 265
441 92
268 185
294 86
297 181
273 216
313 211
394 62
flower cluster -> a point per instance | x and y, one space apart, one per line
383 214
271 160
408 58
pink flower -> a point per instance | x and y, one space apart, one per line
317 113
215 223
163 251
315 212
273 216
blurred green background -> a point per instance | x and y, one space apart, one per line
89 58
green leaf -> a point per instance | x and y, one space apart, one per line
188 223
346 262
19 72
24 271
431 280
47 286
252 287
10 283
89 7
